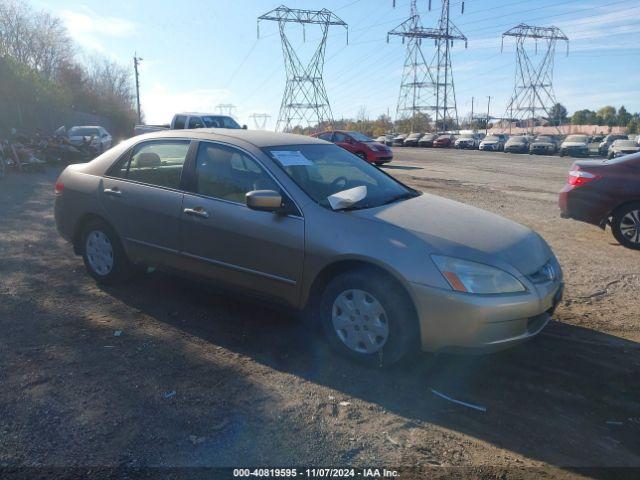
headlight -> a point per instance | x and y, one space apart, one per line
472 277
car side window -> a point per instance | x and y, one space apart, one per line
229 174
195 122
339 137
326 136
179 123
157 163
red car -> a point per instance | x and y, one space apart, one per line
444 141
359 144
606 192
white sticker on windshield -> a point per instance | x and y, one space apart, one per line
289 158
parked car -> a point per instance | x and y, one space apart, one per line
398 140
444 141
359 144
467 140
413 139
603 148
575 146
638 139
605 192
517 144
93 135
381 139
383 268
181 121
622 147
427 140
543 145
597 138
493 143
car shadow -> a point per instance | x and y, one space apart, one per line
569 397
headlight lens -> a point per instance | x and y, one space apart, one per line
472 277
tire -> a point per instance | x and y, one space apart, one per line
369 289
103 254
625 225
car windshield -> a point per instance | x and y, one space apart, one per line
212 121
577 138
359 137
83 132
544 139
443 137
492 138
466 135
518 139
625 144
328 173
415 135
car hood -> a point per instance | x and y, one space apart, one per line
490 142
574 144
542 144
461 140
459 230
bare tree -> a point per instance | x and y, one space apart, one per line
34 39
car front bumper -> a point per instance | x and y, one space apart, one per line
452 321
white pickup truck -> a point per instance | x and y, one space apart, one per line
191 120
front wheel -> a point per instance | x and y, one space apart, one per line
625 225
103 254
367 317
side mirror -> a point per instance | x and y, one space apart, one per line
264 200
244 127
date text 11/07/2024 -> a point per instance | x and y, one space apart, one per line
315 473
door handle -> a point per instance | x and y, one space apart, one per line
113 191
197 212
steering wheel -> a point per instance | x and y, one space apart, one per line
335 185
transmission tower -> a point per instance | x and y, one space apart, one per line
533 93
305 101
226 109
260 120
428 87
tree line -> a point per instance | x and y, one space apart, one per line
39 68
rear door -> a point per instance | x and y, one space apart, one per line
223 239
142 197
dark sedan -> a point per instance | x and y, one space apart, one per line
517 144
427 140
606 192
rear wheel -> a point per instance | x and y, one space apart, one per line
625 225
368 318
103 254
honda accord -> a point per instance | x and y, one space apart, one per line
385 269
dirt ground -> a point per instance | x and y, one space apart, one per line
200 379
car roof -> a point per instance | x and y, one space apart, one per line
200 114
258 138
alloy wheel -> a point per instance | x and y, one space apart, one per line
630 226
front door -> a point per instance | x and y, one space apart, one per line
261 252
143 201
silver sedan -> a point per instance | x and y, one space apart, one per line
385 269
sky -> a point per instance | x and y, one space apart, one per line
198 54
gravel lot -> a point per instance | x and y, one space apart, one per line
200 379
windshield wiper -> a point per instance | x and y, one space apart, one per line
402 196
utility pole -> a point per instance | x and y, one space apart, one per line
136 62
305 101
472 124
486 125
